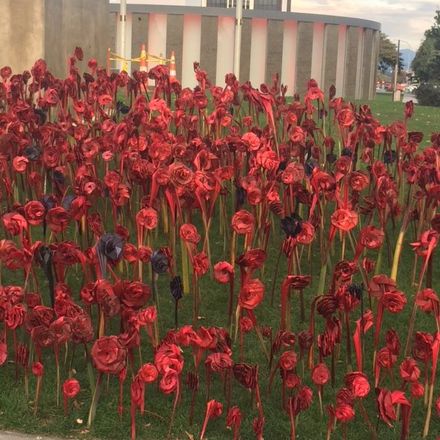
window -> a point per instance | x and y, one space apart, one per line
273 5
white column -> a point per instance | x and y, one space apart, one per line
257 72
318 52
128 41
192 34
284 5
360 64
237 37
157 37
288 62
340 60
225 48
123 39
251 4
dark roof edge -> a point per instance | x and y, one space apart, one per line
230 12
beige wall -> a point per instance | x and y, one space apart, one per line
330 56
303 57
208 53
21 33
71 23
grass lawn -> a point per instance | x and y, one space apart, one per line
16 411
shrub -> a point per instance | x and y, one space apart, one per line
428 94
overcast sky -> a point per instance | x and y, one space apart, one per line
402 19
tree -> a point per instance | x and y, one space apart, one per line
387 54
426 64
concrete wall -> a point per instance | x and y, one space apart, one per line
71 23
21 33
303 57
330 56
351 62
175 41
51 29
274 49
245 51
208 54
140 36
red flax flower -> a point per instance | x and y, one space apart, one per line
362 326
243 223
70 390
213 409
409 371
386 401
108 354
428 301
344 220
298 282
38 372
320 376
233 421
251 294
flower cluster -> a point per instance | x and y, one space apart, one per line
103 197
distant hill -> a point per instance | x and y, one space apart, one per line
407 56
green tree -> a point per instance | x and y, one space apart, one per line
426 64
387 54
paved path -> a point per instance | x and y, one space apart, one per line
409 97
8 435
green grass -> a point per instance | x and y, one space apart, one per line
16 411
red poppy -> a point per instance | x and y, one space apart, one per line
213 409
246 324
251 294
3 352
57 219
233 420
417 390
14 223
344 219
344 412
288 360
246 374
394 301
409 371
223 272
359 180
188 233
386 401
243 222
19 163
200 263
320 374
219 362
108 354
147 218
148 373
71 388
427 301
135 295
371 237
169 382
37 369
252 259
357 383
168 357
34 212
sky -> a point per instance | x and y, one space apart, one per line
400 19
